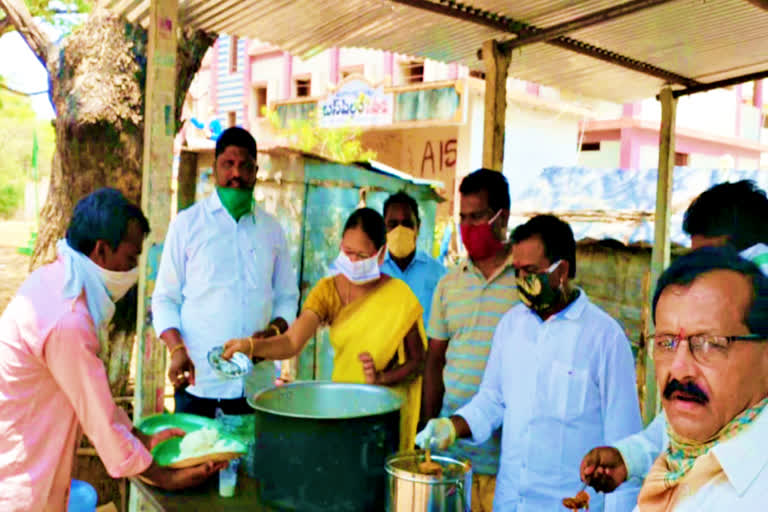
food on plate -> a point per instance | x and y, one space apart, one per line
202 442
578 502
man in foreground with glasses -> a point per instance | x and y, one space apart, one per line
711 314
726 214
560 378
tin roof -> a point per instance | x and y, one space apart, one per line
698 41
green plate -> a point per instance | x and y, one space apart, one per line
168 452
187 422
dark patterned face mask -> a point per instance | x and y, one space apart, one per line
535 290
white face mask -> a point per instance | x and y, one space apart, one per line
118 283
358 272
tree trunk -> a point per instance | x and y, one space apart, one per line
97 80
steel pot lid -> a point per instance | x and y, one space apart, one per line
326 400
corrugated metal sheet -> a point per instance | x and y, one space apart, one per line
703 40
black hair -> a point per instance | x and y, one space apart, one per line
737 210
685 269
236 136
102 215
555 234
493 182
372 224
403 199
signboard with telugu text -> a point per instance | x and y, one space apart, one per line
356 103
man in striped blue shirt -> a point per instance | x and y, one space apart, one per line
468 304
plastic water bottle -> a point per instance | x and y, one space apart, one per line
82 497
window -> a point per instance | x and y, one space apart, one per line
233 54
681 159
231 119
590 146
351 70
260 93
303 87
413 71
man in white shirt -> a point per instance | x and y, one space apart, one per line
559 377
225 273
711 357
727 213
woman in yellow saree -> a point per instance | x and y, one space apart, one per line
376 327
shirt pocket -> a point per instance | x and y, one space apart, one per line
259 258
567 390
211 260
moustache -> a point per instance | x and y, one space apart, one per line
235 183
689 388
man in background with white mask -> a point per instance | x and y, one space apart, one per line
734 214
420 271
560 376
52 382
225 273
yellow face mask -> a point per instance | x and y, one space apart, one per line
401 241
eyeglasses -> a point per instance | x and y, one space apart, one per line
706 349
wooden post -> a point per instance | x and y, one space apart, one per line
159 128
187 180
660 254
159 131
496 62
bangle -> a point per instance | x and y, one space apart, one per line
276 328
177 347
250 342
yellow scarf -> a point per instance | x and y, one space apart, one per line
687 465
378 324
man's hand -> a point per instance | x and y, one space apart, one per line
369 369
175 479
181 372
603 469
439 432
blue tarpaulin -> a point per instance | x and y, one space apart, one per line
616 203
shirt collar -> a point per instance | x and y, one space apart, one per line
468 265
574 310
420 257
743 457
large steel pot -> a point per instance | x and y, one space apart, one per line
322 446
410 491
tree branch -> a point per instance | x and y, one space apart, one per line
17 12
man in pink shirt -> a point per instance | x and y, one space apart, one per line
53 386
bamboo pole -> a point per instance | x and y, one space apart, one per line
496 62
661 243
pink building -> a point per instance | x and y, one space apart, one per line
720 129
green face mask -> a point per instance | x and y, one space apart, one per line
535 290
237 201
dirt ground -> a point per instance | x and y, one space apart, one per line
14 267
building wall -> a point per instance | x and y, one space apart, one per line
606 158
536 139
229 86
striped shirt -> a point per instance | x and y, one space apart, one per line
465 310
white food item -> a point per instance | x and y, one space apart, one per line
202 442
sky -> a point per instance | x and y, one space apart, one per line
23 72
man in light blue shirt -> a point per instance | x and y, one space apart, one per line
420 271
726 214
225 273
559 377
